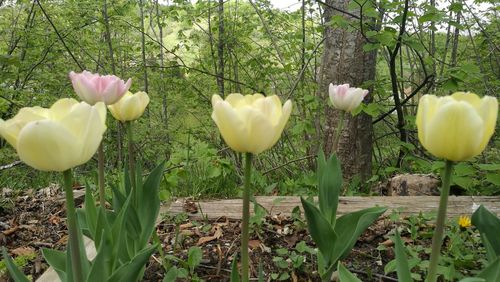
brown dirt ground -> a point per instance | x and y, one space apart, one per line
33 220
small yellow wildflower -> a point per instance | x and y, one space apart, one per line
464 221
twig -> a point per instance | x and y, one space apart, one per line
16 163
59 35
413 93
387 278
287 163
339 10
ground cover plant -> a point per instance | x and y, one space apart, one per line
233 99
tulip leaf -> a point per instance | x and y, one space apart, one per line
133 223
119 198
402 267
120 250
14 272
56 259
491 272
235 276
330 183
150 203
101 224
488 225
345 275
90 211
99 268
350 226
320 230
134 269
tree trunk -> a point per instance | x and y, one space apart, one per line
220 50
344 61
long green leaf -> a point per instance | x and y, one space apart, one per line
345 275
402 267
235 275
56 259
132 270
90 211
491 272
489 226
99 270
149 203
350 226
330 184
14 272
320 230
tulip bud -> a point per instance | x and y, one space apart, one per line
59 138
456 127
250 123
130 107
346 98
93 88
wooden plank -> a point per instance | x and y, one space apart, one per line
231 208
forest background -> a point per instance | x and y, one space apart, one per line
183 52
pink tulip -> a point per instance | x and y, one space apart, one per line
93 88
346 98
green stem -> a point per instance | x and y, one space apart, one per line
72 227
438 232
100 167
131 160
246 219
339 132
164 262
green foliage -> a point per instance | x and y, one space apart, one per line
462 255
334 237
7 263
121 236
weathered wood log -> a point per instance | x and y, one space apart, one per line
231 208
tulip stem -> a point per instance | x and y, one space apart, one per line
100 167
438 232
246 219
131 159
74 245
339 132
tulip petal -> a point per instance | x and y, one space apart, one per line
287 110
468 97
234 99
48 146
10 129
427 107
455 132
86 124
488 110
231 127
62 107
270 107
260 130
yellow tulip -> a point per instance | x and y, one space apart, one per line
250 123
130 106
456 127
59 138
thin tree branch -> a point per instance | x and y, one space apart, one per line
59 36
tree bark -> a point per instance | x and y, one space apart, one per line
220 49
344 61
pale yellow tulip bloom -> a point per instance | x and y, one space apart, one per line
130 106
59 138
456 127
250 123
